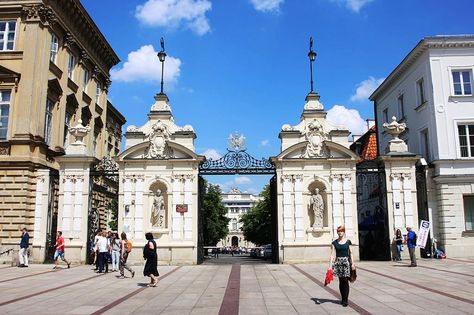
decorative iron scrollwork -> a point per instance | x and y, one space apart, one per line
108 168
236 162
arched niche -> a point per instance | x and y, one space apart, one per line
158 205
316 184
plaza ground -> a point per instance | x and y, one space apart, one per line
242 287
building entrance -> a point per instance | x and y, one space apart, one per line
237 162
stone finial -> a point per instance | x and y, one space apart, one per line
79 132
161 104
396 145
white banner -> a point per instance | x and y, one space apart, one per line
423 234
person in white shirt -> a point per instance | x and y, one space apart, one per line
103 247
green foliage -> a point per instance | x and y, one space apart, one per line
215 223
113 209
257 222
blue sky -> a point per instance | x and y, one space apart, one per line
241 65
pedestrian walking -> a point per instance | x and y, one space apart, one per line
96 251
411 244
398 240
59 253
115 251
125 249
23 253
151 265
341 262
103 248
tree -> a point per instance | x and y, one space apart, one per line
257 222
113 209
215 223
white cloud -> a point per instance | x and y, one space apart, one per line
353 5
339 115
241 180
174 13
211 154
143 65
267 5
366 88
264 143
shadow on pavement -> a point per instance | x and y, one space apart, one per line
321 301
243 259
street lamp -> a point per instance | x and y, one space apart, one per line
162 57
312 57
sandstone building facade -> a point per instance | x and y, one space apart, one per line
54 72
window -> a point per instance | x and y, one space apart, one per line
70 66
462 82
98 91
54 48
4 113
48 121
385 115
85 80
7 35
401 108
466 140
420 86
67 124
469 212
425 148
94 143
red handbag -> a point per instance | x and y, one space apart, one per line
329 277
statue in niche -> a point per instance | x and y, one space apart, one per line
317 206
158 210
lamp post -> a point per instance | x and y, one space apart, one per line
162 57
312 57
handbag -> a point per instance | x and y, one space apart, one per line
353 276
329 277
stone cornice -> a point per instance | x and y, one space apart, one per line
85 32
425 44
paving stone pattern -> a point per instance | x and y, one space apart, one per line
434 287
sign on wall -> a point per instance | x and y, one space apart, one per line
182 208
423 234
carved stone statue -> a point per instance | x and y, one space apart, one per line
158 210
236 143
317 206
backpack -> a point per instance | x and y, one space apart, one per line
414 238
128 245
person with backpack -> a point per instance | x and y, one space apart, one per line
125 249
411 244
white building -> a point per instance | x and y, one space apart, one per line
237 204
431 92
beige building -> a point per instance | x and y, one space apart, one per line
54 72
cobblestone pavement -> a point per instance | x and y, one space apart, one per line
434 287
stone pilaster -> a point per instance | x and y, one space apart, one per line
287 207
347 202
139 201
299 214
188 200
336 201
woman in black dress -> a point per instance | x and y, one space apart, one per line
341 263
151 265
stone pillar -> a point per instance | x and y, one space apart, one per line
407 199
127 203
139 202
336 201
74 203
188 200
287 208
300 233
176 221
41 215
347 195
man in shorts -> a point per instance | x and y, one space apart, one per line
59 253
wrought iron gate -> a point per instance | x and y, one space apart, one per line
422 203
374 237
104 185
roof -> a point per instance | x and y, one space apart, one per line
368 143
438 41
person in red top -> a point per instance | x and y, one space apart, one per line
59 253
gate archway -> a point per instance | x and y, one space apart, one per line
238 162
